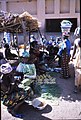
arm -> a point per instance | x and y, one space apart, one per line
74 51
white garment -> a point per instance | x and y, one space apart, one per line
78 64
78 54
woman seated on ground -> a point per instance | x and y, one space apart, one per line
12 94
8 53
34 53
36 57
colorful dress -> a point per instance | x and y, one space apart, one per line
64 53
11 94
65 64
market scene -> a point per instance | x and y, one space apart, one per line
40 60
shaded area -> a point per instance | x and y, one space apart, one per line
67 86
50 91
53 25
30 113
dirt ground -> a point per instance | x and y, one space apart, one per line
68 105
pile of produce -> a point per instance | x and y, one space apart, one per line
47 87
45 78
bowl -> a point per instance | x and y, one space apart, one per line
39 103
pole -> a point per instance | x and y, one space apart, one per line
24 33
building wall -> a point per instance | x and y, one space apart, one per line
44 9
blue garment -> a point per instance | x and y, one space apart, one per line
66 44
7 37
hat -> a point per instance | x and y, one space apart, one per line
66 26
32 38
5 68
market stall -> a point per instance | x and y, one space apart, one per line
18 23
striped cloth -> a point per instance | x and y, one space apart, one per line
65 64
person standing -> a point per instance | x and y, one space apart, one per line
8 53
64 53
77 63
7 37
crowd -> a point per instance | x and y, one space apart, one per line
18 84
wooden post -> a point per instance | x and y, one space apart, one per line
17 44
12 38
24 33
41 38
29 37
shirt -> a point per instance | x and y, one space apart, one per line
66 44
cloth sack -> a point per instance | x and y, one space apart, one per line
5 68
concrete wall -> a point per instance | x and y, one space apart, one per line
44 9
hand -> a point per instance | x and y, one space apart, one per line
71 59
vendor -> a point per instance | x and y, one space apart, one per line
64 51
8 53
11 93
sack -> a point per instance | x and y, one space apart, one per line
5 68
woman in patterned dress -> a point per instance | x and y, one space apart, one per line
64 53
11 94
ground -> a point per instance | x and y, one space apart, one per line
68 105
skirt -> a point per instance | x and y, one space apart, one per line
65 65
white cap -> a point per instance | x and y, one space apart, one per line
66 24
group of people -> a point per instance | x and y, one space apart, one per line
34 61
62 52
16 84
65 57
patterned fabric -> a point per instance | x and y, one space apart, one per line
12 94
12 99
65 64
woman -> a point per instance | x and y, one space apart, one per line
64 53
8 53
11 94
77 51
